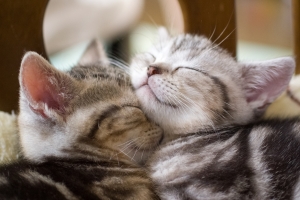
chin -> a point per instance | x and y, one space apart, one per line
145 91
147 98
139 78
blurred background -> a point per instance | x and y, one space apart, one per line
125 27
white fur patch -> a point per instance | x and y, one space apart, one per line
296 192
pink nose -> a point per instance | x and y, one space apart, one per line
153 70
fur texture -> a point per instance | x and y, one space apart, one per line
82 133
207 104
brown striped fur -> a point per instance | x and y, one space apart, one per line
83 135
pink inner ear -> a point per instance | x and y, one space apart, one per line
272 89
265 81
39 88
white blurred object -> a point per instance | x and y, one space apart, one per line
68 22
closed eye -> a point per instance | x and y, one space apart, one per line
130 105
189 68
111 110
151 55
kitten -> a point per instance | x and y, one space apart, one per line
83 134
207 104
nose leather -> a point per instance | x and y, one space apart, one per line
153 70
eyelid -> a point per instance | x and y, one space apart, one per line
190 69
106 113
151 55
194 69
129 105
176 69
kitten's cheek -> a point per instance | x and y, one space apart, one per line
153 85
144 92
138 78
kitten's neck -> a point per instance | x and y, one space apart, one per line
168 137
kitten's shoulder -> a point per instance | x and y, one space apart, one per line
278 123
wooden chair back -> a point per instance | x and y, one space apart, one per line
22 30
296 24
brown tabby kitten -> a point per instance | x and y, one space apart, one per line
83 135
208 103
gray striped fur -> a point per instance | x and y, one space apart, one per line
208 105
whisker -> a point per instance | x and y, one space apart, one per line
152 20
142 154
223 40
212 33
114 58
196 104
130 141
122 66
224 28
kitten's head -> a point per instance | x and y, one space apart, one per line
91 108
188 84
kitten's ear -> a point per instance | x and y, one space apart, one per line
163 34
93 53
45 88
265 81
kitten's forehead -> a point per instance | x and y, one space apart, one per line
193 51
184 43
100 71
183 50
104 91
101 83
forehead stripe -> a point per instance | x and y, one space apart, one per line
105 114
226 101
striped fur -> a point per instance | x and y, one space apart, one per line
256 161
199 86
75 179
207 104
83 135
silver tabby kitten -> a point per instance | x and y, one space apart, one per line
83 135
207 104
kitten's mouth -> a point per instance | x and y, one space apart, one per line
156 98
